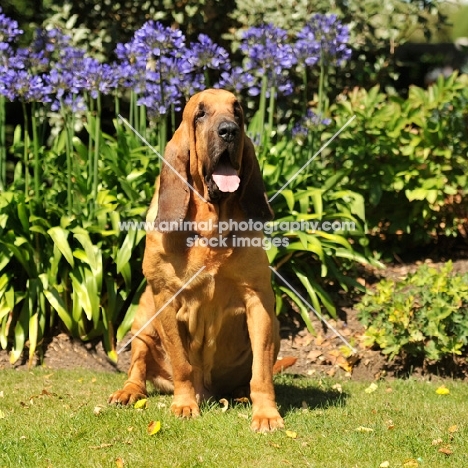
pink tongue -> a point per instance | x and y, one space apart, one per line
226 178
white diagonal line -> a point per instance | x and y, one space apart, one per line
334 330
147 143
312 158
161 309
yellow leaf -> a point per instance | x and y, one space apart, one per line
98 410
154 427
437 441
411 463
141 404
291 434
2 415
371 388
384 464
453 429
364 429
119 463
225 404
442 390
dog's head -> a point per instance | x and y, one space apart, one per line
211 152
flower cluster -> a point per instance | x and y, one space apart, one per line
158 66
167 70
324 36
269 54
307 124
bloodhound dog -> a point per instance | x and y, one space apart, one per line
206 320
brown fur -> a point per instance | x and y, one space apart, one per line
219 336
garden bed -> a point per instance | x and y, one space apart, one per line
321 353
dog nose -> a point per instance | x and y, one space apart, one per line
228 130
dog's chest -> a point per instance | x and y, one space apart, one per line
207 307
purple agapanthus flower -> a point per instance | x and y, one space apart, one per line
155 66
309 122
9 30
206 54
96 77
269 54
323 36
21 84
237 79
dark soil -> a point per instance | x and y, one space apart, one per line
320 354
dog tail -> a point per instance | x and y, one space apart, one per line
282 364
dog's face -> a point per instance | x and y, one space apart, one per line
218 123
211 152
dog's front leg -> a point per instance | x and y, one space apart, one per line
263 332
175 340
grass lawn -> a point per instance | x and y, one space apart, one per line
61 419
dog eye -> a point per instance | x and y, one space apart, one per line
200 113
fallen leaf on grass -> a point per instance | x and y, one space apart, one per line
291 434
453 429
446 450
411 463
274 445
154 427
390 424
384 464
442 390
242 400
119 463
98 410
364 429
1 394
436 441
371 388
141 404
98 447
225 404
338 388
2 415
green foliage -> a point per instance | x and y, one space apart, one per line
317 255
407 158
65 262
423 315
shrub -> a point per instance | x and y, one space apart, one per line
424 315
407 158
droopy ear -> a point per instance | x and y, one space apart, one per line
173 192
253 198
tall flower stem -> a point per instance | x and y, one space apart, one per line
262 110
2 144
97 144
26 150
69 148
37 161
305 84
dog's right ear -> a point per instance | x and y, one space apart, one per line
173 190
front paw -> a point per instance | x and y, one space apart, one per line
266 420
185 407
128 395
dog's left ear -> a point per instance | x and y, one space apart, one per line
253 198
